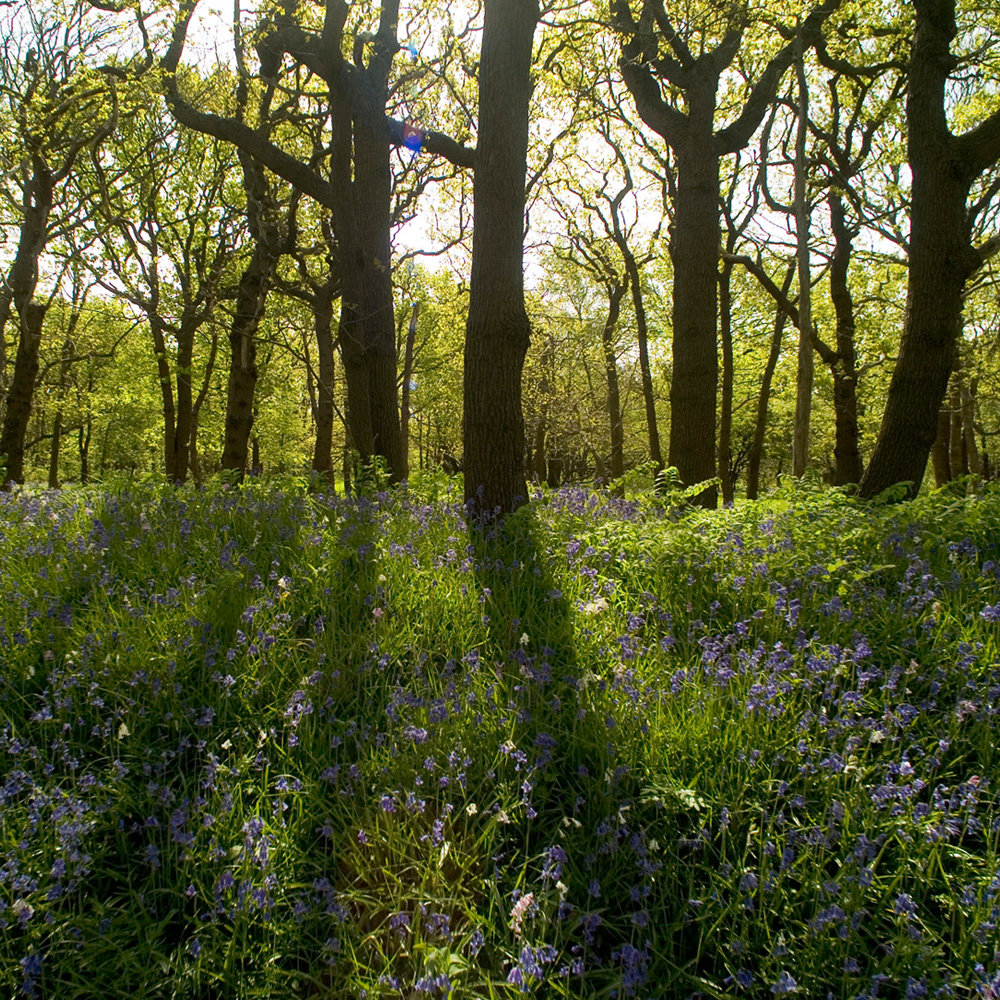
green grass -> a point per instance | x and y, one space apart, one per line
257 742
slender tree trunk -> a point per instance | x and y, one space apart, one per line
498 330
763 401
941 450
194 455
167 407
970 389
185 400
649 400
955 436
251 298
615 295
83 446
843 366
325 413
804 375
726 410
57 422
404 406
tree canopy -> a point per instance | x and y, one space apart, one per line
311 237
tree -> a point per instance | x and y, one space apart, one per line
699 146
57 101
943 166
498 330
170 234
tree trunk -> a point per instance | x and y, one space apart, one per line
955 437
21 394
404 404
804 374
372 189
21 282
615 295
941 256
57 422
649 400
763 401
325 413
83 445
498 330
941 450
726 410
185 399
694 250
251 297
969 392
847 453
194 455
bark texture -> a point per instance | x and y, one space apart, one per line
941 256
694 246
18 301
498 330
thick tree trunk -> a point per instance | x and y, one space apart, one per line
941 257
614 406
21 394
694 250
726 409
21 280
498 330
372 191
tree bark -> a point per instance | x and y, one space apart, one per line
805 370
969 392
22 279
194 455
83 445
941 256
726 408
498 330
57 422
251 298
694 250
694 246
941 450
325 412
763 401
404 401
616 293
847 451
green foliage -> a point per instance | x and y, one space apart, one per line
262 741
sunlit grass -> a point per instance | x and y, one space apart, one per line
259 742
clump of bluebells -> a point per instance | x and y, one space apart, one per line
262 741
